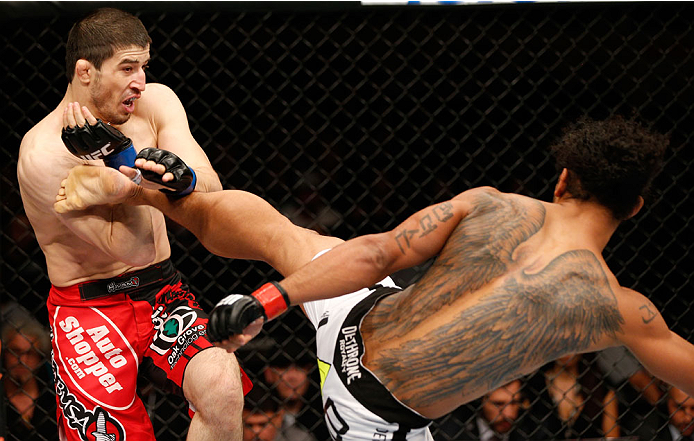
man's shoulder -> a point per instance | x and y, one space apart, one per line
491 192
40 140
155 92
157 102
43 158
44 130
491 200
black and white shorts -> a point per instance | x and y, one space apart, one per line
356 404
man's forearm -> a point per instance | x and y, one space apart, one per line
208 181
347 268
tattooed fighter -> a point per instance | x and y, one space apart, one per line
517 283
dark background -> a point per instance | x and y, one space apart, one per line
348 118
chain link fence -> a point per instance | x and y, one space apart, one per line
347 118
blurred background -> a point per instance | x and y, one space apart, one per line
349 117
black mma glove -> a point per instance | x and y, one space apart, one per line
184 179
234 312
101 141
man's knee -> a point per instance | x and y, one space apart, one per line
213 385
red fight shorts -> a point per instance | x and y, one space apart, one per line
105 332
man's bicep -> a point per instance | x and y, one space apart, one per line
661 351
174 135
424 234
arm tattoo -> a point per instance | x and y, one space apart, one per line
427 224
442 213
403 239
648 314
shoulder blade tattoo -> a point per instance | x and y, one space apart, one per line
523 323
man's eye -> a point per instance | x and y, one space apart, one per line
128 69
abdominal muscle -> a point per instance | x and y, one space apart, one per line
71 260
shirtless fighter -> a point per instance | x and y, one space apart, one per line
117 306
517 283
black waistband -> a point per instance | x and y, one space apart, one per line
128 283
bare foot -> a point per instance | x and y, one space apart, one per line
86 186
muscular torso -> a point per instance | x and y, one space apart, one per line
497 303
43 163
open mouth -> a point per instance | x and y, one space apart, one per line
129 104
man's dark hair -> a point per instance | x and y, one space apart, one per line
100 34
614 160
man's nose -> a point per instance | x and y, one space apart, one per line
139 81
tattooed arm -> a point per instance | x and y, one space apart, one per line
662 352
365 260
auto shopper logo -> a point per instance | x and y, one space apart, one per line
95 356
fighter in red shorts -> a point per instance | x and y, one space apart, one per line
117 306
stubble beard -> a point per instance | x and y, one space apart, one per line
101 99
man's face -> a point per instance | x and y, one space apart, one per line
261 426
119 82
681 409
21 358
291 381
501 407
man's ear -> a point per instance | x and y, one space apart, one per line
637 207
560 187
84 71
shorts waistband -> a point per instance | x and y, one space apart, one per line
127 283
364 386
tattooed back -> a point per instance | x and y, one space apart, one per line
510 291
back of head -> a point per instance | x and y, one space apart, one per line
100 34
613 161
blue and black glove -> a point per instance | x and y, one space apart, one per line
101 141
184 179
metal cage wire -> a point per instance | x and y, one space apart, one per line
348 118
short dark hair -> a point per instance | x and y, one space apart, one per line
100 34
614 160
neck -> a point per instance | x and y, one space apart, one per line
586 221
76 94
